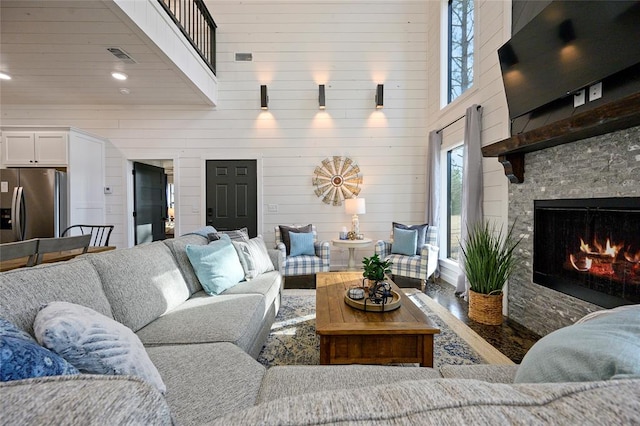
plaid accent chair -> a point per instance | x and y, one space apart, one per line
420 266
303 264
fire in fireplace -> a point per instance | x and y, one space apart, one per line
589 248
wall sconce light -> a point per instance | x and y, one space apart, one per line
566 32
321 99
508 57
264 99
379 96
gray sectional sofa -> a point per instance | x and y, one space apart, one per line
204 348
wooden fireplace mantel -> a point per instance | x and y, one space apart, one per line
616 115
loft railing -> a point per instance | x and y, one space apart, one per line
195 22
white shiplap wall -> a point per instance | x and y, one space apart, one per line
350 47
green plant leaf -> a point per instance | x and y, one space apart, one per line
489 257
375 268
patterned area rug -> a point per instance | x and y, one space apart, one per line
293 340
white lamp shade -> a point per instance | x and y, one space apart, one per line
355 206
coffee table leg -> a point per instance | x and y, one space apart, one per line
325 348
427 351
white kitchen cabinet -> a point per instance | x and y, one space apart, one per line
35 149
80 154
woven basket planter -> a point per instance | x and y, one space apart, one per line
485 308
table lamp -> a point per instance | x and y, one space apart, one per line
355 206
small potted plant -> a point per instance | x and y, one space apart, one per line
489 260
375 269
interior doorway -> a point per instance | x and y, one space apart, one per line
153 203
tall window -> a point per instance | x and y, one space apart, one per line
454 200
460 47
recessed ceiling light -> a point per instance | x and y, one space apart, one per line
124 91
119 75
4 76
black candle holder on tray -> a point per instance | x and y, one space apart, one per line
379 298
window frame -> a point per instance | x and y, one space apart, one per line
448 198
445 49
444 229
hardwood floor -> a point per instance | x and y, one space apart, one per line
510 338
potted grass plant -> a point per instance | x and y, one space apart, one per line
489 260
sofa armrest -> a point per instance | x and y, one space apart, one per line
83 399
429 259
485 372
383 248
323 251
274 255
282 256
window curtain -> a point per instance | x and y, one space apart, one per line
433 186
472 189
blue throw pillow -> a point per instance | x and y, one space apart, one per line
216 265
603 348
422 233
302 244
21 357
405 241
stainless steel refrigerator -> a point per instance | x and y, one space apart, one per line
33 203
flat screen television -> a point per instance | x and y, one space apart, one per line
566 47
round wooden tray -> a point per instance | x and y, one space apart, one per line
372 307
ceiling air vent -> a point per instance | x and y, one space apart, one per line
121 54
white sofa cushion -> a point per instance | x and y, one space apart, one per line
207 380
141 283
23 291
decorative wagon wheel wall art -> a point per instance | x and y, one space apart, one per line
336 179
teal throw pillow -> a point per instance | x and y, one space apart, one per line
603 348
216 265
286 231
422 233
405 241
302 244
21 357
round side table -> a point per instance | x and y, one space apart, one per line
352 245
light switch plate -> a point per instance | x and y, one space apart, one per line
595 91
579 98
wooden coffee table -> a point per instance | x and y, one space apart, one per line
351 336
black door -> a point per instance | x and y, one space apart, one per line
232 195
149 203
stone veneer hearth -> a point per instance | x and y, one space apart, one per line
601 166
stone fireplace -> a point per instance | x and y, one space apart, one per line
600 167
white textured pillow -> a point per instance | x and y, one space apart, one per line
261 260
242 248
93 343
